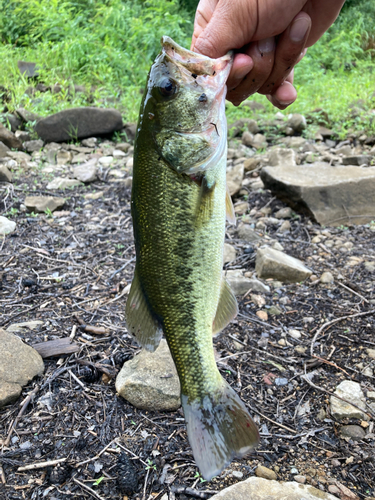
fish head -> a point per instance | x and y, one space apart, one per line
184 107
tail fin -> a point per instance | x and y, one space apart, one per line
219 428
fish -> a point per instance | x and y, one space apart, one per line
179 206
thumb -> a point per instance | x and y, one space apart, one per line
227 29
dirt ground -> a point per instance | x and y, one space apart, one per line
74 267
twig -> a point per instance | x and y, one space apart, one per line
273 421
353 292
192 492
87 488
96 456
329 323
41 465
77 380
2 475
145 485
21 412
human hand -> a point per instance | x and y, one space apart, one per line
269 41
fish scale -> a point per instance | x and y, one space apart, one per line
179 205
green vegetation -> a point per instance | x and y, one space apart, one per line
107 47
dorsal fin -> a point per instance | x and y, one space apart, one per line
139 319
227 308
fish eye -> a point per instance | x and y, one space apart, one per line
167 87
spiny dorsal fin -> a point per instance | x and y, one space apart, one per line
229 208
139 319
227 308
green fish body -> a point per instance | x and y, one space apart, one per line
179 206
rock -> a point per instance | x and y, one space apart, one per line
352 392
369 266
22 135
42 203
247 138
370 353
284 213
252 126
28 69
106 160
63 157
238 127
19 364
230 253
282 156
25 326
247 233
354 432
63 183
8 119
91 142
300 479
241 285
251 164
326 133
235 178
294 142
5 175
274 311
130 130
26 115
265 473
32 146
257 488
237 474
123 146
285 227
87 172
254 105
263 315
94 196
342 491
295 334
297 122
259 141
357 160
6 226
326 277
8 138
149 381
77 123
3 150
271 263
333 195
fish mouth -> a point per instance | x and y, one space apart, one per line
209 72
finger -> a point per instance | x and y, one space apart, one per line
203 16
262 54
289 47
285 95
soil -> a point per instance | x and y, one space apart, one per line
77 264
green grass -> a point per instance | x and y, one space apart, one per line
108 46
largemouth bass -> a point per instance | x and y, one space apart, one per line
179 205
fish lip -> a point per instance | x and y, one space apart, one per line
218 69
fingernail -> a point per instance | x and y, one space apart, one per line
267 45
299 29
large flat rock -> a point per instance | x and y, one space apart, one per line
77 123
19 363
332 195
257 488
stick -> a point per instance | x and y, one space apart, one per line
41 465
273 421
87 488
21 412
352 291
329 323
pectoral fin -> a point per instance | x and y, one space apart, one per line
229 208
227 308
139 319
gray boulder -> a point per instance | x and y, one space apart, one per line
8 138
352 392
332 195
257 488
42 203
87 172
77 123
19 364
271 263
32 146
149 381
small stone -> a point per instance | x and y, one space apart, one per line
321 414
237 474
316 239
3 150
63 157
271 263
8 138
123 146
335 462
130 163
106 160
326 277
63 183
91 142
295 334
241 285
301 350
86 172
247 138
5 174
282 156
297 122
94 196
277 246
282 342
369 266
251 164
42 203
32 146
285 227
149 381
300 479
265 473
230 253
247 233
371 395
370 353
357 160
284 213
252 126
235 178
352 392
6 226
262 315
354 432
274 311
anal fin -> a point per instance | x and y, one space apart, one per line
227 308
139 319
